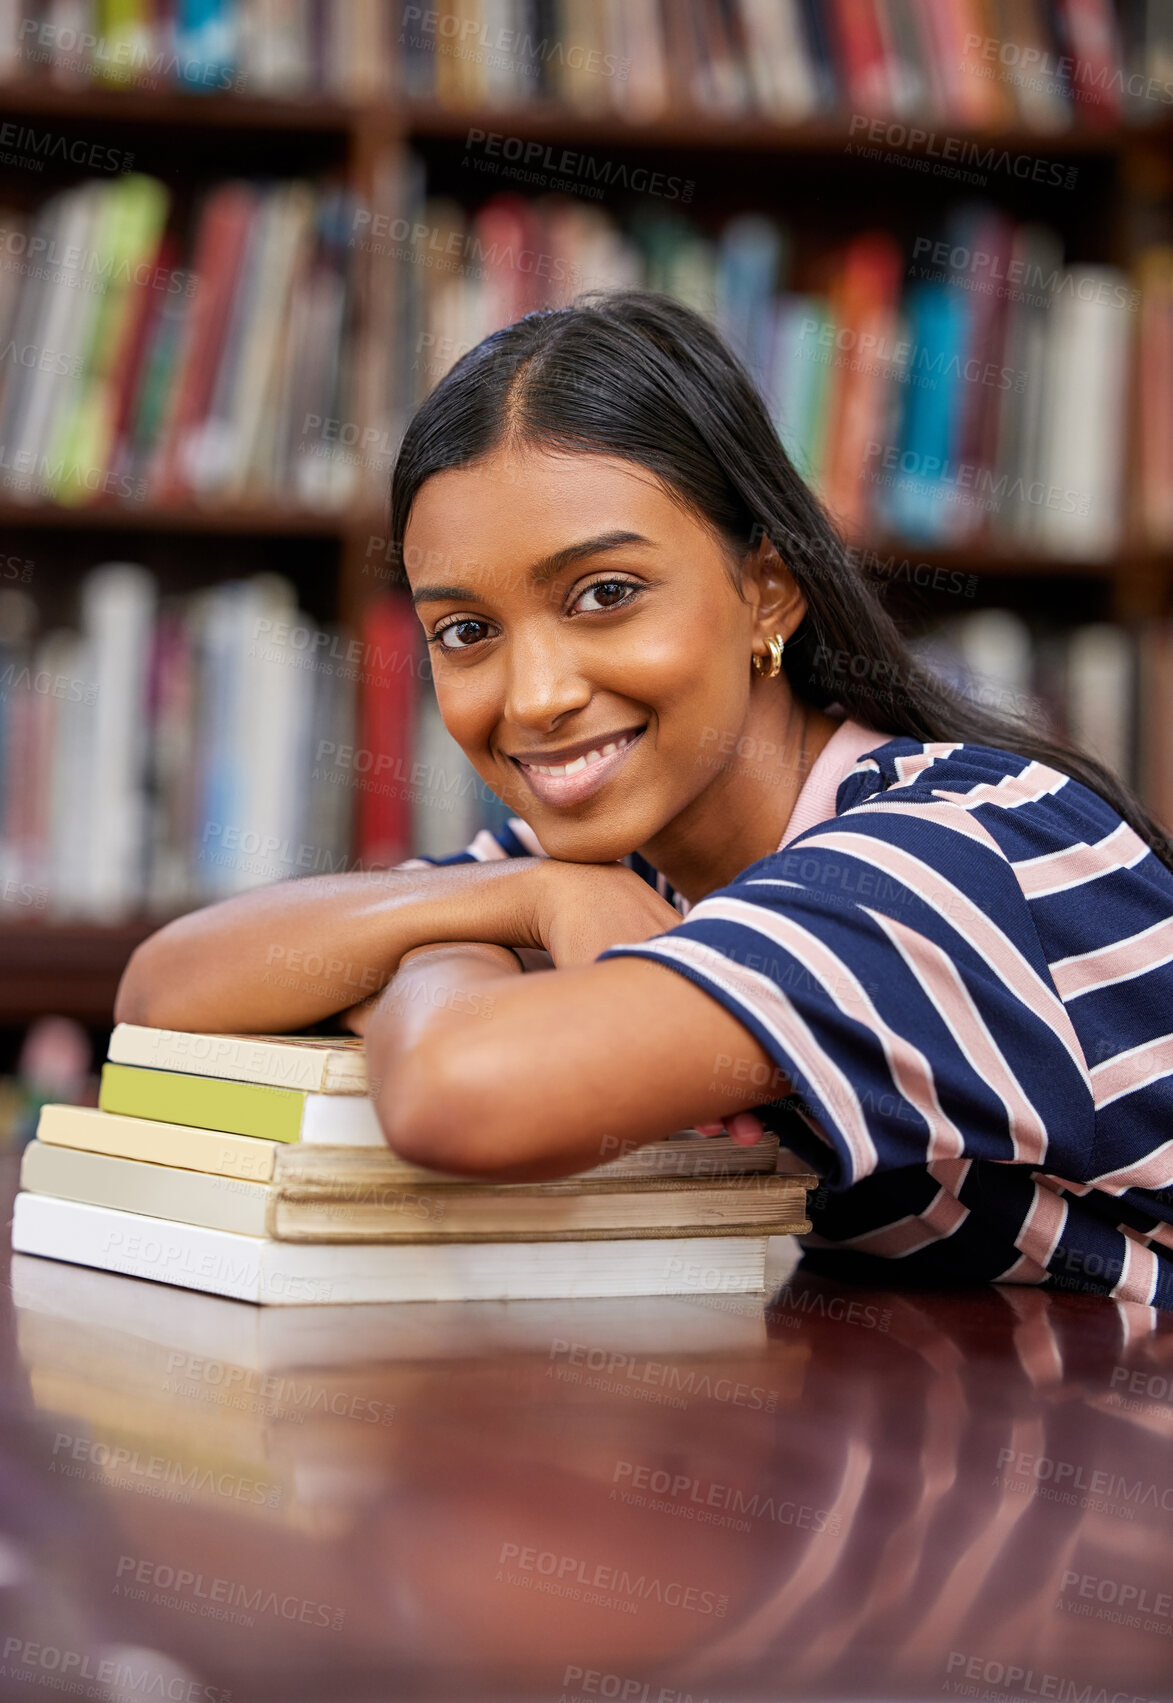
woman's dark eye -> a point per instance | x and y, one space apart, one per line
461 634
609 594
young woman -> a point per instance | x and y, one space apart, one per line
779 870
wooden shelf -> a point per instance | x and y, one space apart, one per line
262 520
533 121
753 133
65 969
174 107
275 521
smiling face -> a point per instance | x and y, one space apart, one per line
588 644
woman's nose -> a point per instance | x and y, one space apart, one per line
545 682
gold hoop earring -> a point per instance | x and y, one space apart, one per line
776 645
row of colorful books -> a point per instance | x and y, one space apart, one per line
176 750
974 63
274 49
141 365
977 63
256 1168
965 387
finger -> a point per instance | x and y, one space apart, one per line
717 1128
745 1129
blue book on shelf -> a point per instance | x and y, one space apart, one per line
927 487
205 43
751 258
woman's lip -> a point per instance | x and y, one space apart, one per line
572 789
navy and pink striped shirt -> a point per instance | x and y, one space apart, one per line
962 962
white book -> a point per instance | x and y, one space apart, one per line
1100 676
118 610
1084 422
446 809
251 1268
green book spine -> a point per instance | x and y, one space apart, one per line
238 1108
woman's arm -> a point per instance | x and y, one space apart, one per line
285 956
482 1071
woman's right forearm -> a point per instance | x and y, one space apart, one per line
282 957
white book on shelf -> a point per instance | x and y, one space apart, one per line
1084 425
274 657
1100 683
64 657
252 1268
118 610
446 810
995 648
53 311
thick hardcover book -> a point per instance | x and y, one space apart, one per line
253 1268
320 1208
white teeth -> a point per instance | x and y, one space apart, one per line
560 769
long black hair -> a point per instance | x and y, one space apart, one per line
639 376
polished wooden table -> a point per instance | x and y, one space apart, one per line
835 1492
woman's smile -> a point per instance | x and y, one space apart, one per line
580 772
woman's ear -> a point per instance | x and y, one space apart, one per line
768 583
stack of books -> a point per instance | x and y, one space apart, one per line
256 1168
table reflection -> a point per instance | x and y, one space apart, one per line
839 1493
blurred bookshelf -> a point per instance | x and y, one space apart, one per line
803 129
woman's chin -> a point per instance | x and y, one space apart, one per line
579 843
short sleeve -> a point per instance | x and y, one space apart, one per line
887 962
516 839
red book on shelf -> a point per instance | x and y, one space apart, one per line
1090 31
862 55
864 298
389 680
220 246
505 238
